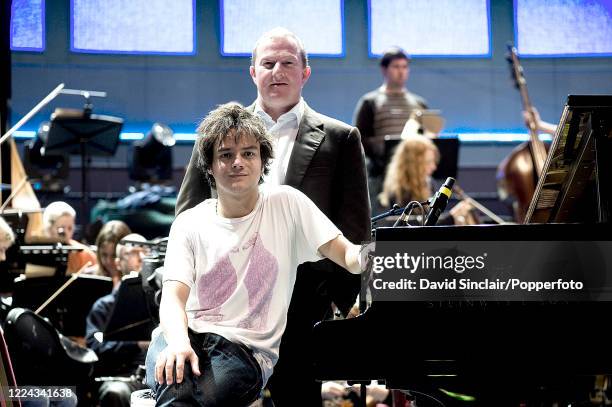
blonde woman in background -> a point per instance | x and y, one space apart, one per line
408 178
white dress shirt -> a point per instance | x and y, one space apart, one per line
283 132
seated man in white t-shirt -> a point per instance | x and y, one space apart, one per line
230 268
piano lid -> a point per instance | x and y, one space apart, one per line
576 182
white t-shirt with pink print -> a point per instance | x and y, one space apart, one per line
241 271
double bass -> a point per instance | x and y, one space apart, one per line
518 173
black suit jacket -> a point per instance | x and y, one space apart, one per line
328 165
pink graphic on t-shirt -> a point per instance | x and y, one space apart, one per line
259 281
214 288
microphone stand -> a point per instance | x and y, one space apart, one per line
59 89
395 210
402 217
32 112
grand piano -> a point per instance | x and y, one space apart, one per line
499 352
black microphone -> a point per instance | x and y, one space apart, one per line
439 202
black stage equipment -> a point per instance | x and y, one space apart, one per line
151 158
130 319
69 309
85 134
136 311
47 172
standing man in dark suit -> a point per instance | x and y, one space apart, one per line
324 159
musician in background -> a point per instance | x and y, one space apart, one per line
116 358
58 224
541 125
7 238
130 256
408 178
106 241
385 111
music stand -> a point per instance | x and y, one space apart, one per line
131 319
87 135
449 154
68 311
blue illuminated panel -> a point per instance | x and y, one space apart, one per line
317 23
563 27
480 137
133 26
444 28
28 25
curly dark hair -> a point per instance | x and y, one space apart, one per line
231 119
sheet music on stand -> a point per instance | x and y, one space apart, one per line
130 319
46 259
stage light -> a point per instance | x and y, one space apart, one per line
48 172
151 158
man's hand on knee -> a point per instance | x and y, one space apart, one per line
166 360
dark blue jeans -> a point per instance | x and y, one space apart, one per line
231 377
